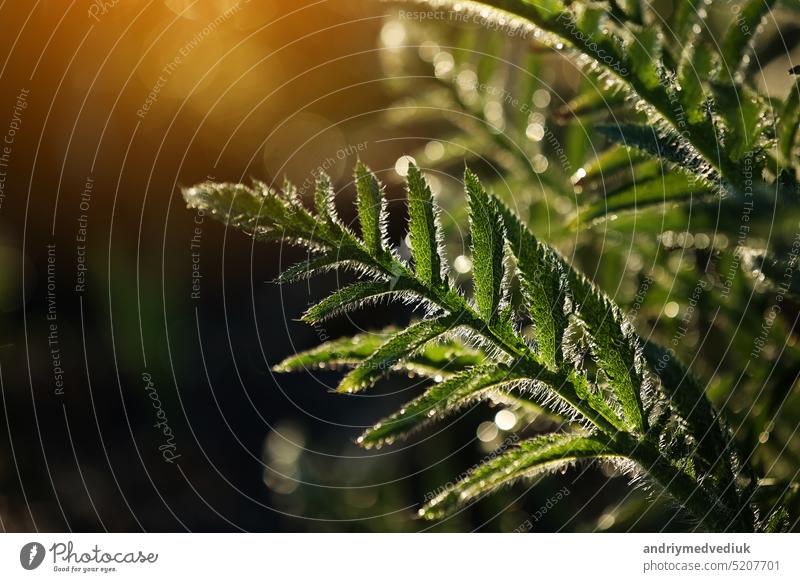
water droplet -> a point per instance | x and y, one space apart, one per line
539 163
505 420
535 132
671 309
434 150
487 431
462 264
541 98
393 34
402 164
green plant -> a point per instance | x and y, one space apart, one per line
691 127
659 425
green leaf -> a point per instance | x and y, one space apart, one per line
352 297
530 458
440 359
695 69
778 521
438 401
644 53
543 280
743 115
398 347
608 162
371 209
324 199
788 124
603 49
710 440
590 102
486 230
326 209
423 229
740 33
590 19
340 258
687 397
663 189
443 358
687 13
616 349
659 144
258 211
613 404
611 337
346 351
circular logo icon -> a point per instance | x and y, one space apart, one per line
31 555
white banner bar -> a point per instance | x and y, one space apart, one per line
400 557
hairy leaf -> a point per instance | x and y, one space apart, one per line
258 210
665 146
371 208
611 337
743 115
423 229
695 69
530 458
544 286
586 104
486 230
351 297
616 349
712 445
611 404
340 258
645 54
399 346
433 359
326 208
438 401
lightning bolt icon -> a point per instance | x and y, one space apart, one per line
34 551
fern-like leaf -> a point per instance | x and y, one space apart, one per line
611 337
609 410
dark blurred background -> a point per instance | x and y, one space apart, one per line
136 338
